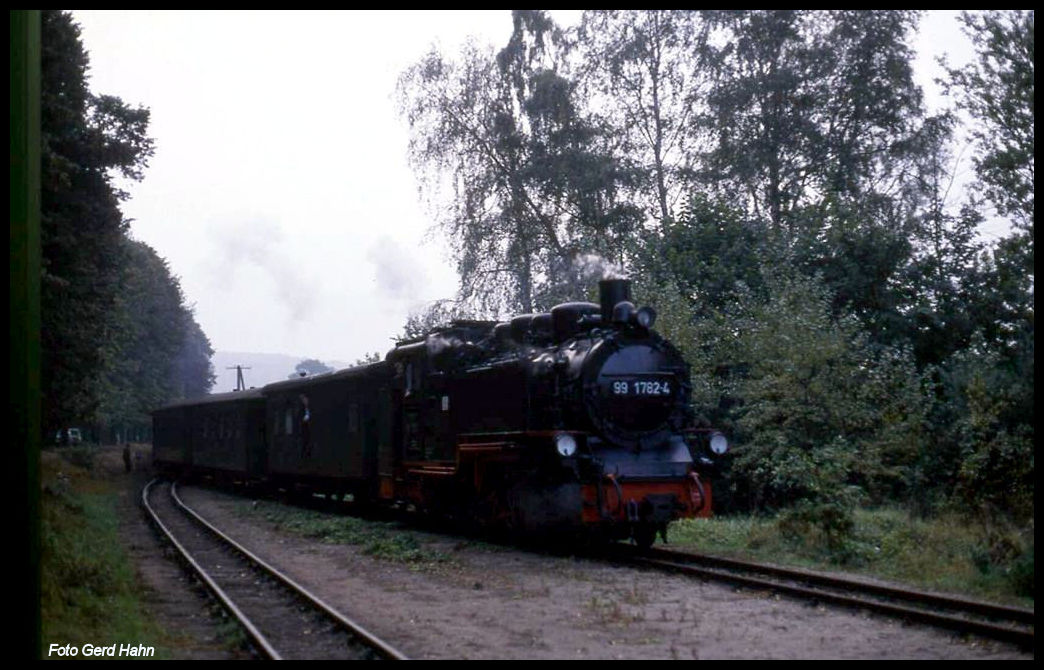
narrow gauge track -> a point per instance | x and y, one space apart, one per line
999 622
282 618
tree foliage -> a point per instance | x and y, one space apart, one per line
533 185
988 394
997 91
369 358
194 373
815 406
112 317
434 315
650 69
81 226
310 366
156 352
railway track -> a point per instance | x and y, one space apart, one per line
282 618
999 622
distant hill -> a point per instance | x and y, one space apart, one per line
264 368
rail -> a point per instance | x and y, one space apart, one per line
357 632
1000 622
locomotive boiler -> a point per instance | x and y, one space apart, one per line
576 421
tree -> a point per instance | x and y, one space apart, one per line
815 126
118 340
310 366
985 391
533 186
710 251
997 91
84 137
648 67
368 358
156 352
811 109
194 371
437 314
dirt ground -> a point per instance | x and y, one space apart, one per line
492 602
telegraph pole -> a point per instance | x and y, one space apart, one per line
240 386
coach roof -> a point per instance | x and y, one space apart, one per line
215 398
370 370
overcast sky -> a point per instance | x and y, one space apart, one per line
279 192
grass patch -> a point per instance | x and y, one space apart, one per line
89 591
384 540
947 553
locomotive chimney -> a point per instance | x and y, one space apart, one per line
612 291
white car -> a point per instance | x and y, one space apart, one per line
71 435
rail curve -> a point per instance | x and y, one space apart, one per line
265 646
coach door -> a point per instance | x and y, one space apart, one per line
388 454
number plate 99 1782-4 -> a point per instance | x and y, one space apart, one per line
641 387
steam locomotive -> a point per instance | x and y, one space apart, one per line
578 420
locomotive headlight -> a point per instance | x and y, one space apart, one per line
646 317
719 444
566 445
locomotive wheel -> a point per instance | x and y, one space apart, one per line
644 535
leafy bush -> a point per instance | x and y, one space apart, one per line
822 418
1021 574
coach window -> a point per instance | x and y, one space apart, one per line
353 417
409 378
289 421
